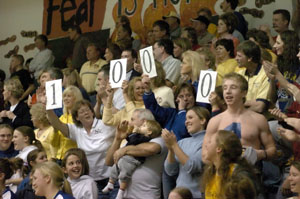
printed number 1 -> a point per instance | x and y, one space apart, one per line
53 85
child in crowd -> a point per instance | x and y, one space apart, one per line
76 166
48 180
180 193
17 177
5 173
126 165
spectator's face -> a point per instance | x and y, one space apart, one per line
193 123
122 34
279 24
39 44
108 55
174 195
20 141
294 179
85 115
150 38
5 139
157 51
92 54
221 52
184 34
39 182
138 91
44 78
158 33
73 167
225 6
278 46
130 61
41 157
69 100
222 27
135 121
186 69
72 34
232 91
241 59
199 26
102 80
6 93
188 97
14 62
177 51
210 151
35 121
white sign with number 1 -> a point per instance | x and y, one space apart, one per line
147 61
207 84
53 94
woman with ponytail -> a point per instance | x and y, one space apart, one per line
224 161
48 180
5 173
24 141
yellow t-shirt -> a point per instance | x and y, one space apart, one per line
213 188
224 68
65 143
212 29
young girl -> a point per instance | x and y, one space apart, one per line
126 165
5 173
76 166
24 141
48 181
17 177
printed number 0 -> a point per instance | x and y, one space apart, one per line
113 72
148 71
209 86
53 85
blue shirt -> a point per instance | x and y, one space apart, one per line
8 194
9 153
62 195
189 174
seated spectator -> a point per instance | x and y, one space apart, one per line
225 62
206 12
44 132
124 39
163 53
6 172
294 177
200 24
184 156
48 180
112 52
191 34
161 30
223 159
16 67
6 146
43 59
133 96
209 57
71 77
174 24
89 69
180 46
24 141
180 193
17 113
76 166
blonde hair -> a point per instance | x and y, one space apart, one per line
195 62
73 90
56 174
73 77
38 111
15 87
154 127
131 86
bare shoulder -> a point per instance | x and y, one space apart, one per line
257 118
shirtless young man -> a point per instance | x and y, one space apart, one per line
250 126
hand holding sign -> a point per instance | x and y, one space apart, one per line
207 84
117 72
147 61
53 94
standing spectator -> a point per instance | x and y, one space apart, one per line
89 69
43 59
80 45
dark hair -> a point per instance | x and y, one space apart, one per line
228 45
43 38
251 50
239 186
284 13
82 157
182 86
27 62
124 20
55 73
163 26
6 126
27 131
76 107
32 156
96 46
167 44
20 58
230 20
288 61
133 52
260 37
105 69
2 75
207 11
6 168
192 34
77 28
233 3
127 29
184 193
115 50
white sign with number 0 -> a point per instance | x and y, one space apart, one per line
147 62
54 94
207 84
117 72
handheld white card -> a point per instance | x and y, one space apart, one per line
207 84
117 73
53 94
147 62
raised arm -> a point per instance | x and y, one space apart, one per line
57 124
